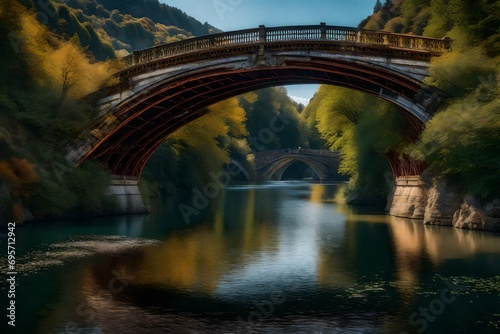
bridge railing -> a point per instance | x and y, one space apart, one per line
293 33
297 151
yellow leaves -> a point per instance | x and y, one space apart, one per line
234 115
222 118
60 65
461 70
225 118
331 120
69 67
241 146
251 97
31 29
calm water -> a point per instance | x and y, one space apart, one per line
274 258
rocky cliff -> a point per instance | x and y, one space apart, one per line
437 203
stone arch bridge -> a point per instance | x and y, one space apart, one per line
270 165
165 87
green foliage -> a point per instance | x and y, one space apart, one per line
50 199
462 141
90 184
460 71
159 13
440 22
416 15
379 19
363 128
17 178
396 25
76 191
161 171
272 108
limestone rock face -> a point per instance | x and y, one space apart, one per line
408 198
472 215
442 203
437 203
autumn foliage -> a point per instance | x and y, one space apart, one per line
17 179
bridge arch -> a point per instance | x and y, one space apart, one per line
277 169
166 87
272 164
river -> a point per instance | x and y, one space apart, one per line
270 258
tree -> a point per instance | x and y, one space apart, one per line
347 120
378 6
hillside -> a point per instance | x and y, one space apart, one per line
115 28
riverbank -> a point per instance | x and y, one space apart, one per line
437 202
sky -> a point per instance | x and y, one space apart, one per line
231 15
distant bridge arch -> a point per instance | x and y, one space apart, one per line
280 168
165 87
271 165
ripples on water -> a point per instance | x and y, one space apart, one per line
76 247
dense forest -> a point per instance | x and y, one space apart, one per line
461 142
60 51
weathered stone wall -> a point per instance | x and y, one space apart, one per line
408 198
438 203
442 201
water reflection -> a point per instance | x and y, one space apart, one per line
337 269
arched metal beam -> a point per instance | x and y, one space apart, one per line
146 120
169 86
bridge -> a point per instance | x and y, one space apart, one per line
165 87
270 165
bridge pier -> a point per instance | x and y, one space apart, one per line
437 202
408 198
128 195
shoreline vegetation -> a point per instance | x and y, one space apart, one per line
60 52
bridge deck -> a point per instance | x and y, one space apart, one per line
411 47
